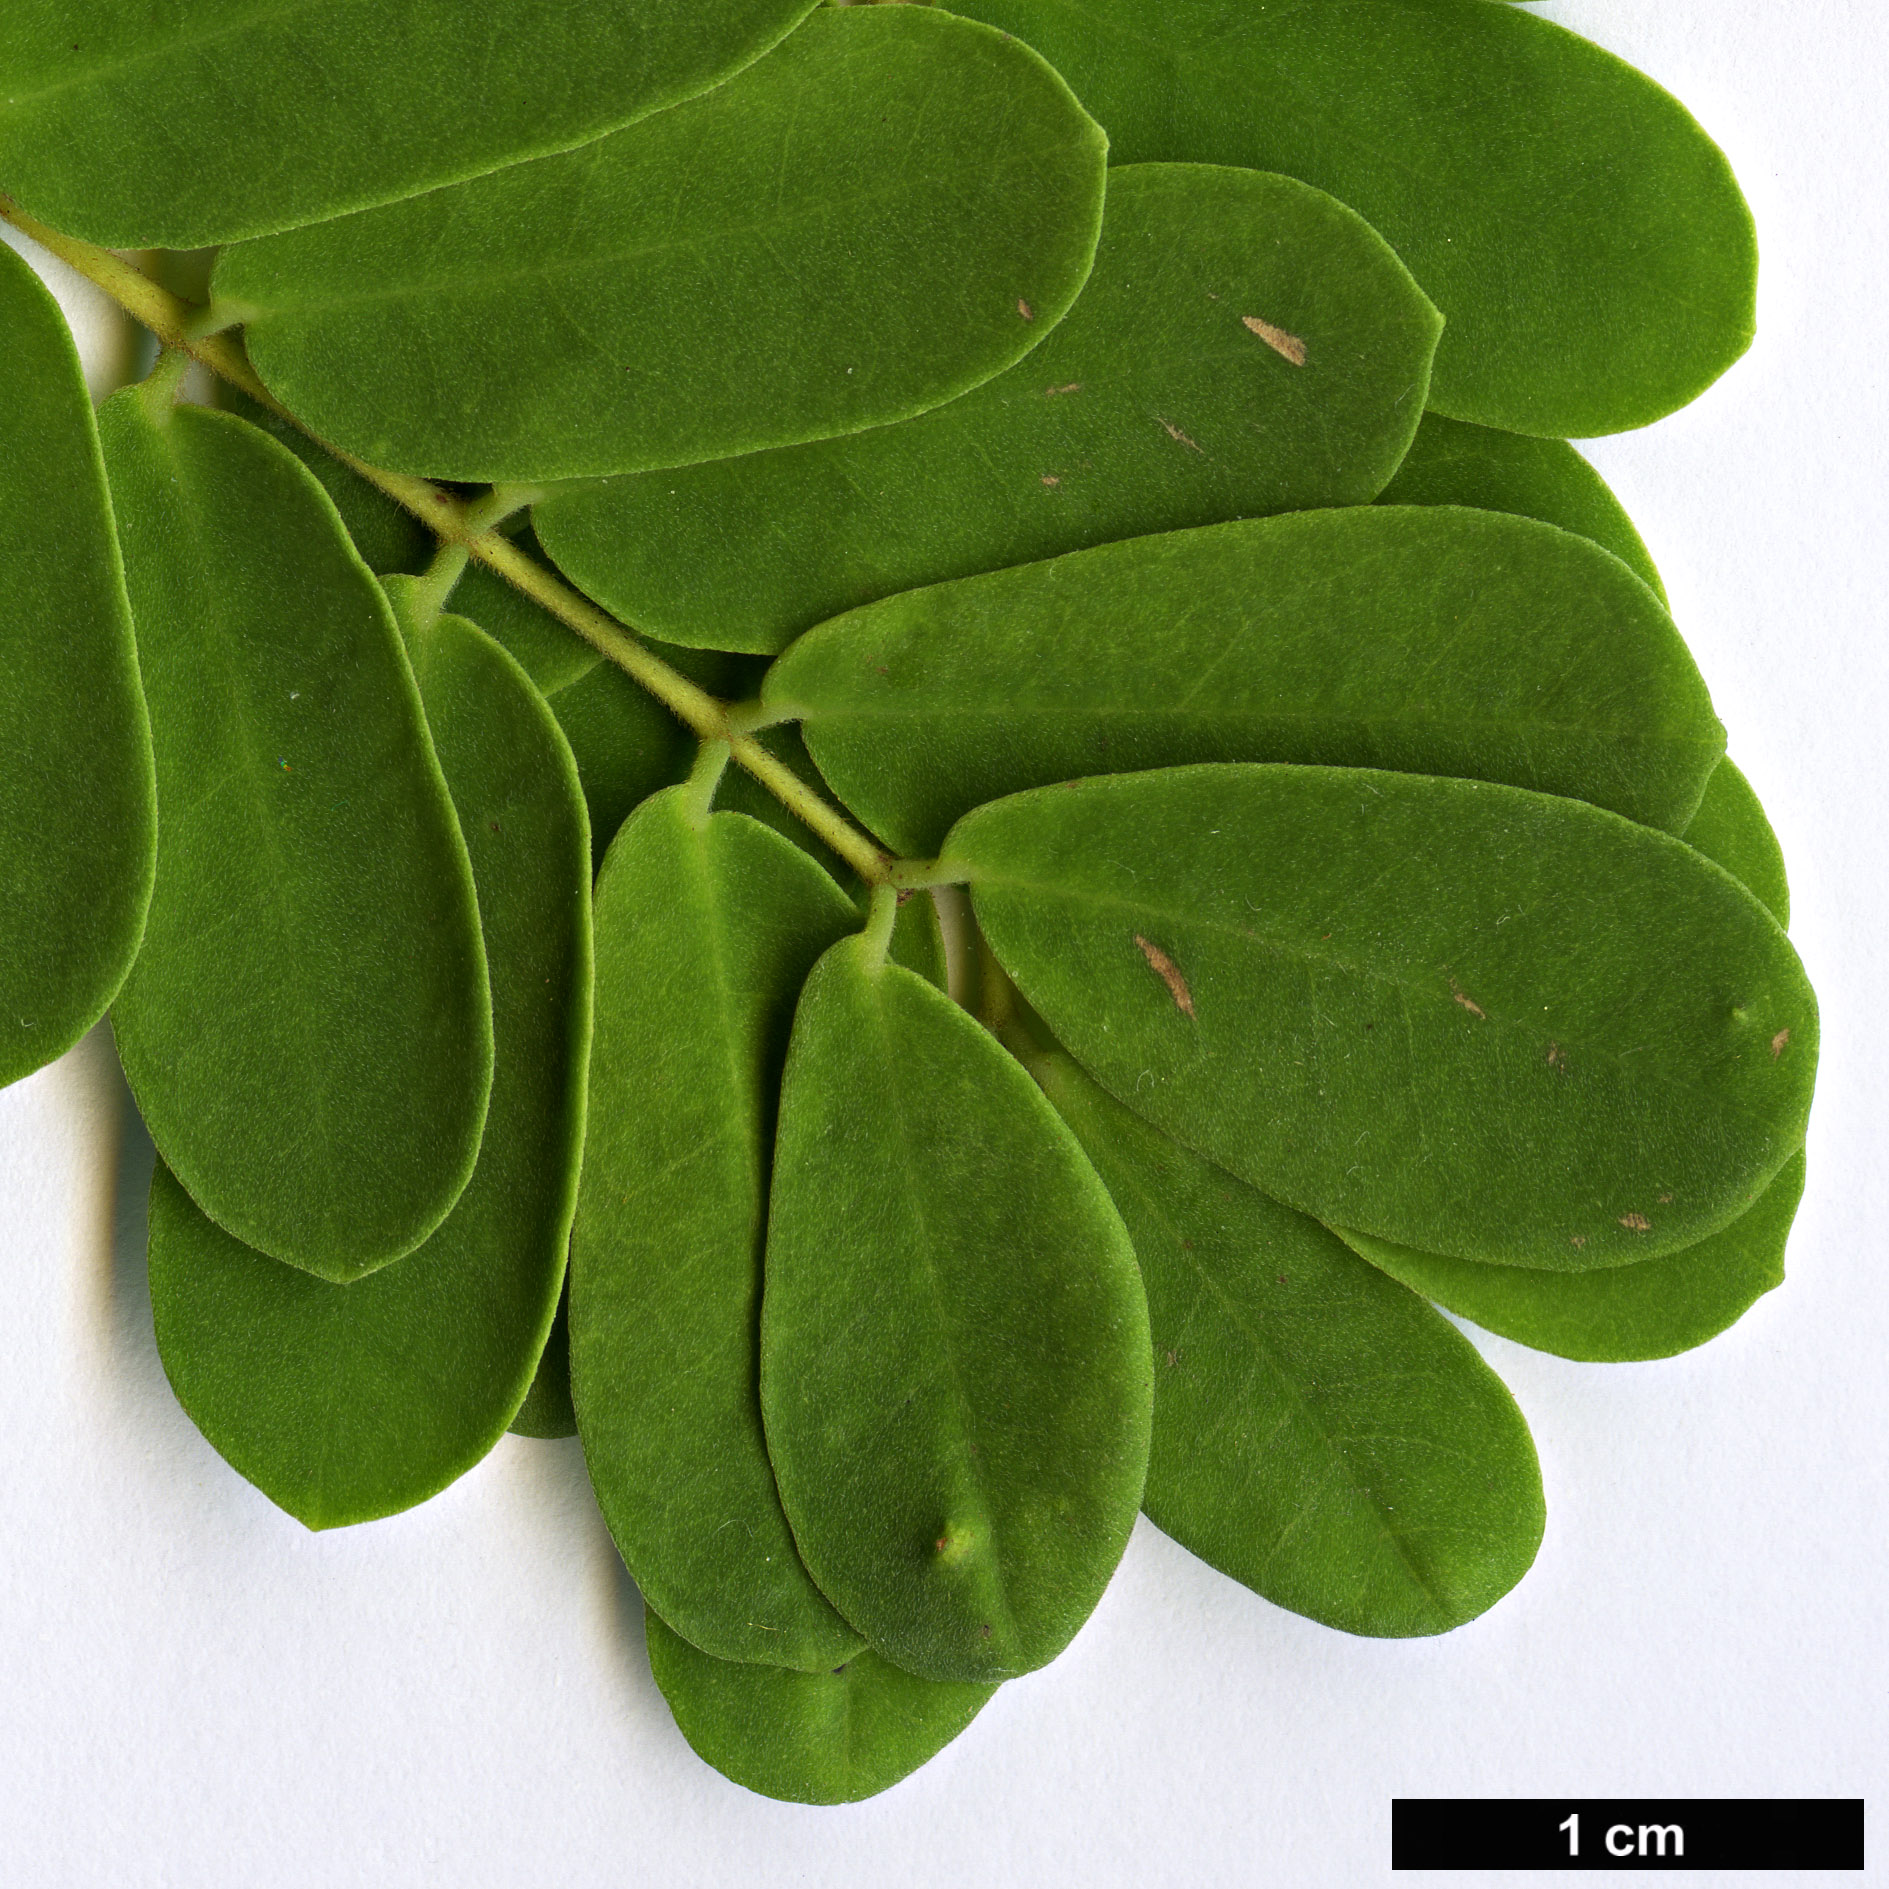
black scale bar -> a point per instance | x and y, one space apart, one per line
1627 1833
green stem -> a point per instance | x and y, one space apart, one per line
876 940
435 584
711 763
457 522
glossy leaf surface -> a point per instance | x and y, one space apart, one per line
1653 1310
1319 1433
1585 240
954 1341
325 108
1458 1016
707 926
891 207
1730 828
1423 639
1453 463
1245 345
342 1403
811 1738
307 1028
78 819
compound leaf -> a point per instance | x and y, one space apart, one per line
1319 1433
342 1403
78 817
1653 1310
307 1028
954 1342
1451 462
324 108
1585 240
891 207
1430 640
1245 345
1458 1016
1730 828
811 1738
707 925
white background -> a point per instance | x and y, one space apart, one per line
193 1690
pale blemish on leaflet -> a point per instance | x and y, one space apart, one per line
1636 1223
1025 310
1074 387
1174 432
1778 1042
1470 1004
1281 343
1169 973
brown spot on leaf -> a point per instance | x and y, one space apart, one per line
1049 478
1557 1056
1025 310
1290 346
1469 1003
1577 1240
1281 1278
1636 1223
1665 1200
1169 973
1174 432
1778 1042
1074 387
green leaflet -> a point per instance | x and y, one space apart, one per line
1319 1433
552 655
892 207
326 107
810 1738
342 1403
1730 828
307 1029
547 1410
388 537
1159 402
1453 463
1430 640
78 823
707 925
1585 240
1653 1310
628 746
954 1342
392 541
1458 1016
619 733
